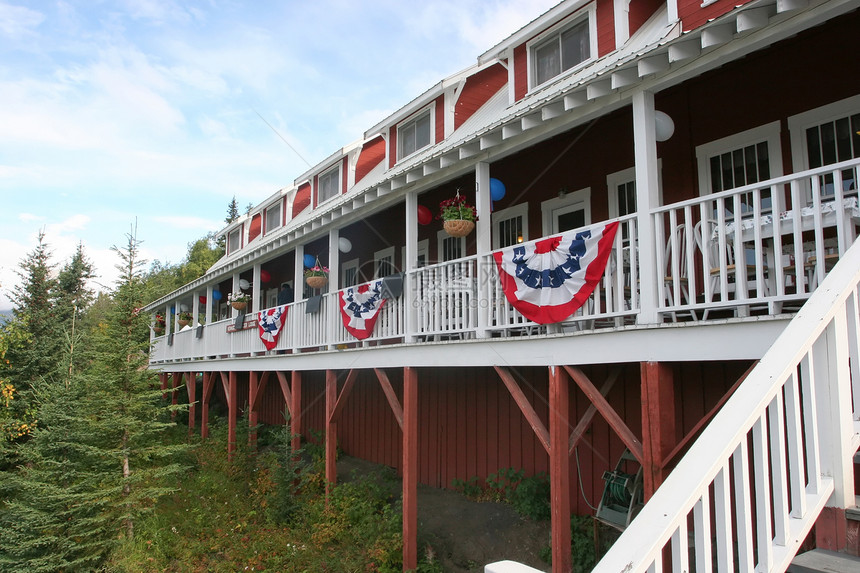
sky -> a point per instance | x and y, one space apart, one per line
152 115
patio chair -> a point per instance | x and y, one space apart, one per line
677 239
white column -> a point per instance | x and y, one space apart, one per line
409 299
483 203
299 274
235 289
256 303
195 309
647 197
209 304
333 260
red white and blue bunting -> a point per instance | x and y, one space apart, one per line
271 322
359 308
548 280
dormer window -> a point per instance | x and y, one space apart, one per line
273 217
414 134
234 240
328 185
560 51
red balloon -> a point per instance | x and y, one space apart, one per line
425 216
202 300
265 276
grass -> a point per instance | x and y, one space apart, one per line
230 517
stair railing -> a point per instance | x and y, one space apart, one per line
749 490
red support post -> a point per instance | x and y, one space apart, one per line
253 389
559 468
330 431
204 404
410 469
296 410
658 422
231 424
191 387
174 399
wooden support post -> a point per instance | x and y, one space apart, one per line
230 390
191 388
204 404
330 431
559 468
253 390
174 399
658 422
296 410
410 469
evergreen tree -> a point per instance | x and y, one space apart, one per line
232 211
74 297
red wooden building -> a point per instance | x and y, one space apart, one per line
723 138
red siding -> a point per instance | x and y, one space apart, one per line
640 11
392 146
344 179
303 199
316 190
255 228
439 106
521 72
693 15
369 157
478 89
605 27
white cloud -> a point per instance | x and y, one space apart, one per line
29 217
18 21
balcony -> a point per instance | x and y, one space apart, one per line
758 250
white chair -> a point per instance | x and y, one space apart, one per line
675 278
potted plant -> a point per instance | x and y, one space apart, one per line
185 318
457 215
158 327
316 276
239 300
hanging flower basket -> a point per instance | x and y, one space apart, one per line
159 330
458 227
239 305
317 281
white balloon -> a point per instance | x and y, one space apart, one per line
344 245
664 127
243 284
183 308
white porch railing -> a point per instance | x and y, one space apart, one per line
750 488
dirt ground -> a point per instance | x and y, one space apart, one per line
465 535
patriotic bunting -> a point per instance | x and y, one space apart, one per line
547 281
271 322
359 308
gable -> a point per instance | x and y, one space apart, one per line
371 155
478 90
303 198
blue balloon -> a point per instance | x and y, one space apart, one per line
216 294
497 189
310 261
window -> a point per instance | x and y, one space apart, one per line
510 226
828 135
621 186
328 185
422 256
349 273
561 50
450 248
569 211
414 135
273 217
234 240
383 263
741 159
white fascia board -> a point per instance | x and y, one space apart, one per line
407 110
533 28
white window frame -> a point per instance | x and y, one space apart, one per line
552 208
279 206
237 232
441 236
413 119
613 180
591 14
798 124
379 256
521 210
423 249
768 132
347 266
327 174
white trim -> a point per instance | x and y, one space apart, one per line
521 210
279 204
613 180
798 124
431 107
338 183
441 237
589 12
621 10
345 266
768 132
423 249
384 254
552 208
